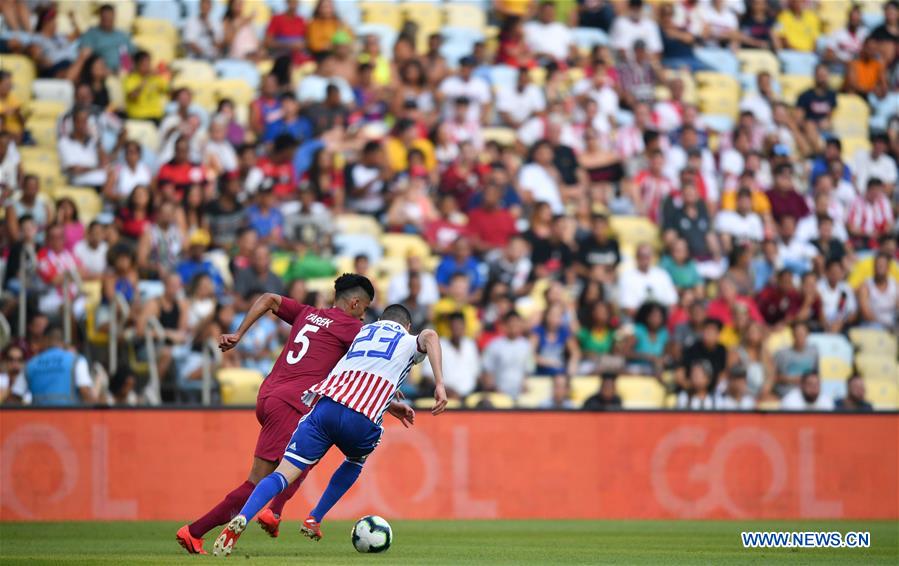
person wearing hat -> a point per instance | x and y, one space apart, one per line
466 84
196 264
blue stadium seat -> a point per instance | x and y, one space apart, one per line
797 62
349 11
164 10
587 38
722 60
835 389
236 69
835 345
718 123
503 76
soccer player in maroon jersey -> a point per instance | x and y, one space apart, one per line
318 340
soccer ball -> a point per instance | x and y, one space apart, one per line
372 534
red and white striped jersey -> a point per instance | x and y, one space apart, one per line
870 219
369 374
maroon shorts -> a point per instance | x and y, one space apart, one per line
278 419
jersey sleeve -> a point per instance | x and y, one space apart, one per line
418 352
290 310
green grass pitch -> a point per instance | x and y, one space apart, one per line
449 542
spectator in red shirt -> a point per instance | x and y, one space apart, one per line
721 307
870 216
779 301
490 225
785 200
278 167
285 34
180 173
449 227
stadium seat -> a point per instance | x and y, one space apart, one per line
45 109
116 92
427 16
852 145
588 38
582 387
23 73
755 61
635 230
358 224
156 27
833 15
833 368
35 154
48 173
465 16
193 69
503 76
58 90
779 340
87 201
203 91
503 136
495 400
874 341
239 386
850 119
719 102
236 69
144 132
538 390
388 266
722 60
82 11
161 49
833 388
797 62
426 403
640 392
385 13
876 366
883 394
835 345
402 245
385 33
125 13
235 89
791 86
169 10
43 131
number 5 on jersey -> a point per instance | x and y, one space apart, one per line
303 340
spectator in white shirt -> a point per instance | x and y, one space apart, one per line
633 26
837 298
877 163
80 155
314 88
845 44
824 205
461 362
546 37
794 254
808 396
508 359
398 288
125 176
760 102
644 283
92 250
203 34
515 105
466 84
741 225
218 154
699 396
733 394
539 181
719 24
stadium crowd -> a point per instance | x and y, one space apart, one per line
597 204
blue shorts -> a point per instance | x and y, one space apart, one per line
329 424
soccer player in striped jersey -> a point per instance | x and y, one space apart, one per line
347 409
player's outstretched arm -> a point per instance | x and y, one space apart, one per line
430 343
268 302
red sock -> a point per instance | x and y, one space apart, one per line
223 512
277 504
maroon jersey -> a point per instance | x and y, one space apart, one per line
318 339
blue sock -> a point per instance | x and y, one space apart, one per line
343 479
270 486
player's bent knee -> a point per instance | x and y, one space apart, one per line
289 470
358 460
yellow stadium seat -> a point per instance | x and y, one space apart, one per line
494 400
850 119
640 392
852 145
261 12
719 102
160 48
203 91
502 136
755 61
323 285
874 341
23 74
144 132
116 92
83 12
875 366
154 27
538 76
358 224
236 89
193 69
92 291
385 13
45 109
791 86
43 131
87 201
779 340
883 394
768 405
239 386
425 403
389 266
634 230
428 18
833 368
582 387
465 16
48 173
537 391
402 245
35 154
718 81
125 13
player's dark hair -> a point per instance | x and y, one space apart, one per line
349 284
397 313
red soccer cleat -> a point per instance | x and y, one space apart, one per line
311 528
269 522
225 543
190 543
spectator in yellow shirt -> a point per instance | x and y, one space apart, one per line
798 28
145 90
321 29
11 118
456 301
405 138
